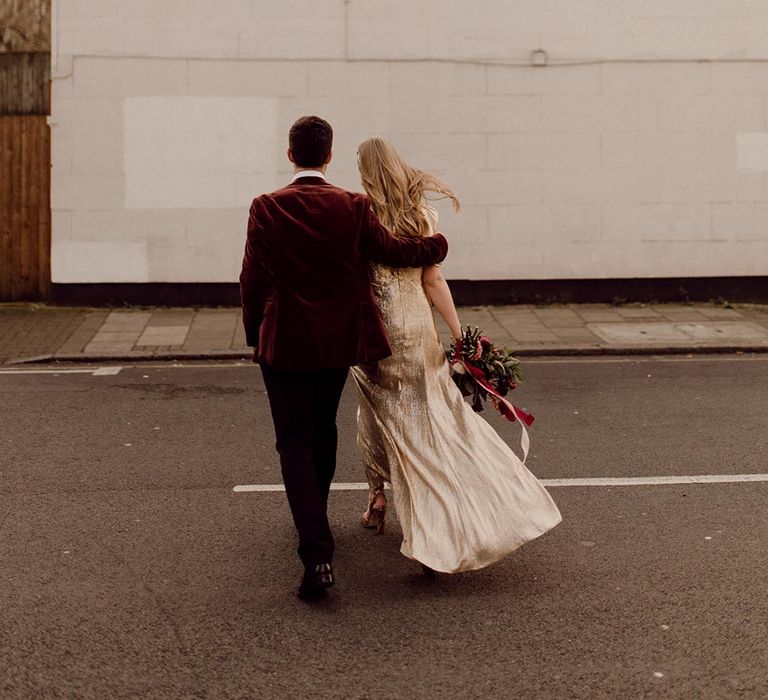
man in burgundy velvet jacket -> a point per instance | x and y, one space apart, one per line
310 313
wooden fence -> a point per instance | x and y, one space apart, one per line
25 210
25 80
25 150
25 25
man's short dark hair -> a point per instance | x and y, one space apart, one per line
310 141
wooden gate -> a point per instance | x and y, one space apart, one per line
25 209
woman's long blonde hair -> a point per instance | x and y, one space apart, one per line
396 190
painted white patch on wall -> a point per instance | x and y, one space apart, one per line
752 151
196 152
99 261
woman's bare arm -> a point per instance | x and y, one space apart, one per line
440 295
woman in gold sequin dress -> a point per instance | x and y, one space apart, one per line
463 498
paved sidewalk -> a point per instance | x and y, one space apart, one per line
45 333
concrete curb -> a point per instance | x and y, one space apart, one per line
595 351
538 351
132 357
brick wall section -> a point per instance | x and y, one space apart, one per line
623 165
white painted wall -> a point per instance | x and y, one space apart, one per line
641 150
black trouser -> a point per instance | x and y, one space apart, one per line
304 406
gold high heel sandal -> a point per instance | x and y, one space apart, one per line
376 512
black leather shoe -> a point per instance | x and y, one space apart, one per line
315 581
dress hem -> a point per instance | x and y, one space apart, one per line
477 565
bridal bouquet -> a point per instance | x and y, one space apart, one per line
484 372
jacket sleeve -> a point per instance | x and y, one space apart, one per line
380 246
256 275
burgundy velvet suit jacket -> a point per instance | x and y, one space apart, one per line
305 284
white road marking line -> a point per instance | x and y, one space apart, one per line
245 488
107 371
589 481
46 371
575 359
336 486
538 360
96 372
657 480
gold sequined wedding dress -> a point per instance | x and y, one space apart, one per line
463 498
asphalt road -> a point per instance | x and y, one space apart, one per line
129 568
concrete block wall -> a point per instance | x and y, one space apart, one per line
641 150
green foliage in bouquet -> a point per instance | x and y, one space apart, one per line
500 368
